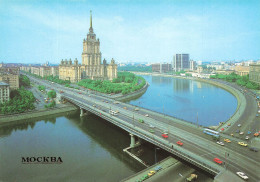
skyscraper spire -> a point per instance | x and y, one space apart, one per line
90 19
90 28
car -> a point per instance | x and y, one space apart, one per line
229 124
249 132
239 125
145 177
151 126
141 120
222 129
253 149
157 168
241 133
217 160
164 136
179 143
242 175
116 111
106 101
61 91
80 93
237 131
136 109
116 102
94 105
256 134
146 115
227 140
125 108
257 115
232 134
151 173
242 144
151 130
247 137
220 143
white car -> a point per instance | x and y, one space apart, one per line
239 125
147 115
247 137
220 143
151 126
242 175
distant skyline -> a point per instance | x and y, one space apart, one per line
137 31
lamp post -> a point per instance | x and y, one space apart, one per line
155 156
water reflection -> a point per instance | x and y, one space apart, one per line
180 85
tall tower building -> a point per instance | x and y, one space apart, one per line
181 62
91 67
91 54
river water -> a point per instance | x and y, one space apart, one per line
92 149
187 100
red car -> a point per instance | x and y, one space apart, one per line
164 136
179 143
217 160
80 93
222 129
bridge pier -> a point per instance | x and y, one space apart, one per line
132 144
81 112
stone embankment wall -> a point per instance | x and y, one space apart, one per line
4 119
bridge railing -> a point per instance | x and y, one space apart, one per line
178 151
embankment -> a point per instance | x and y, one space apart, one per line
4 119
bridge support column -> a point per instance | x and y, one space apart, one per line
132 144
81 112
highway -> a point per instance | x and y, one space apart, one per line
195 142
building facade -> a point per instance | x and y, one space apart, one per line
161 67
10 75
192 65
4 92
242 70
181 62
254 73
91 67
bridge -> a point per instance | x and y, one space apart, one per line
198 149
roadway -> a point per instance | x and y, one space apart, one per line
237 158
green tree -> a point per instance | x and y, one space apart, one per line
52 94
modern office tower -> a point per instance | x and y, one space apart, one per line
181 62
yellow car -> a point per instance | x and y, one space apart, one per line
151 173
227 140
242 143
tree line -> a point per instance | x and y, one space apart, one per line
21 100
125 83
240 80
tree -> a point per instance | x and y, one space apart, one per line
52 94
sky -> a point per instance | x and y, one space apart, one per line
152 31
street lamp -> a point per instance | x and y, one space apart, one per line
155 156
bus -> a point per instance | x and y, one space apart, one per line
211 132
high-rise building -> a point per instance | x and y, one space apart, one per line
91 67
181 62
192 65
